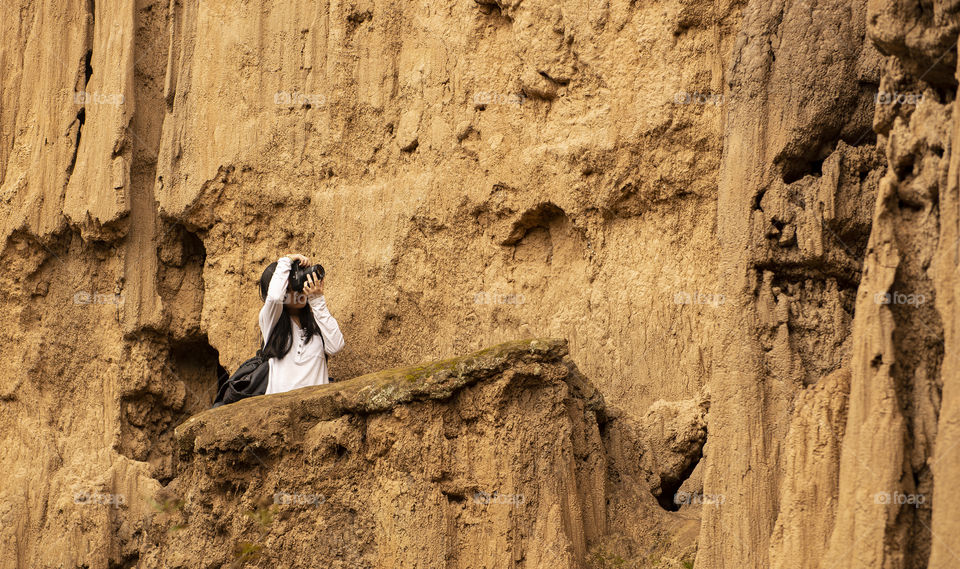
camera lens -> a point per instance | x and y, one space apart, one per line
298 275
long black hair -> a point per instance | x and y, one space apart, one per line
281 335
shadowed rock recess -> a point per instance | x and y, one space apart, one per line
742 218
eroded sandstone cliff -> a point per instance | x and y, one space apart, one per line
749 207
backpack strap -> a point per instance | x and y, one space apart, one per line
263 344
326 360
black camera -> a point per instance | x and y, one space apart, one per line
298 275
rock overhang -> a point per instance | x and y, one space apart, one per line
272 420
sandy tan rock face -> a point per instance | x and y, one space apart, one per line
751 204
852 215
501 194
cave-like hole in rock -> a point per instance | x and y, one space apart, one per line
197 364
668 498
186 384
798 168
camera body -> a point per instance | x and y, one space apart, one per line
298 275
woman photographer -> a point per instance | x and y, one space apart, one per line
297 338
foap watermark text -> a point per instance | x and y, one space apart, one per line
899 298
298 99
87 297
698 98
96 98
697 297
888 98
298 499
693 498
899 499
498 498
484 297
99 499
491 98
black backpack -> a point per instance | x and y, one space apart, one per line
252 377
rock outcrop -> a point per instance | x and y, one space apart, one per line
744 217
494 459
491 460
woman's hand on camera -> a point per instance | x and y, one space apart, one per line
313 287
298 257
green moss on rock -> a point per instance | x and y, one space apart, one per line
371 393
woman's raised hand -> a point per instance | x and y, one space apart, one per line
298 257
313 287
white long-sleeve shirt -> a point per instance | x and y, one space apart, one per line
304 364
